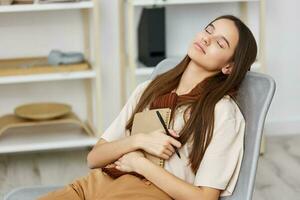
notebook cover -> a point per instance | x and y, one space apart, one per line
148 121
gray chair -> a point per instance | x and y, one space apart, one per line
254 99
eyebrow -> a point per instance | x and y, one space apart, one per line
222 35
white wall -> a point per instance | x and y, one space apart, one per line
282 48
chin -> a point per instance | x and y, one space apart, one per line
202 62
196 57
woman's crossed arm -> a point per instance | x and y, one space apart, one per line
156 143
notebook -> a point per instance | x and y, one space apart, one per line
148 121
144 122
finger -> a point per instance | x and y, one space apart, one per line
171 148
175 142
173 133
119 167
168 152
164 156
118 163
141 153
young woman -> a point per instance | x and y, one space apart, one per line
206 124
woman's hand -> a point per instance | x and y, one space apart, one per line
127 162
158 143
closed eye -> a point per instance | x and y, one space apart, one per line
220 45
211 27
217 42
207 31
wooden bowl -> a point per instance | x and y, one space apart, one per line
42 111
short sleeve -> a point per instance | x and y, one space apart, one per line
221 163
117 129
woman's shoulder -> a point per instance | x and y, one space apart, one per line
228 106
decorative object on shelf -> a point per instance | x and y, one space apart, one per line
57 57
42 111
36 65
57 1
13 121
6 2
23 2
151 36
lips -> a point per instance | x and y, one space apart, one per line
200 46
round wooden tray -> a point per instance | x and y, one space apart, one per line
42 111
11 121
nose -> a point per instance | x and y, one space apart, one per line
206 39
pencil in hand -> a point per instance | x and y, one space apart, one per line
167 131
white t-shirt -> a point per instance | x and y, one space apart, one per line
222 160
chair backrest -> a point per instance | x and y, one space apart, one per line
254 99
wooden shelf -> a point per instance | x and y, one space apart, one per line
142 70
32 69
178 2
87 74
42 138
45 7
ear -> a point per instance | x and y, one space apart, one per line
227 68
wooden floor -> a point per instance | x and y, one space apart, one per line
278 175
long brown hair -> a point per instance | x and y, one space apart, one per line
200 124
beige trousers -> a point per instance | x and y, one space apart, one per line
97 185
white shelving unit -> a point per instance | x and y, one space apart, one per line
130 64
66 137
43 7
178 2
20 140
90 74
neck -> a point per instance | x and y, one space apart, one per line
192 75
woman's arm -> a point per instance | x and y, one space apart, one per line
172 185
104 152
156 143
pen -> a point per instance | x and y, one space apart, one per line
167 131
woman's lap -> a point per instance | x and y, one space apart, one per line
129 187
99 186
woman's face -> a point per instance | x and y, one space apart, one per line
214 46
